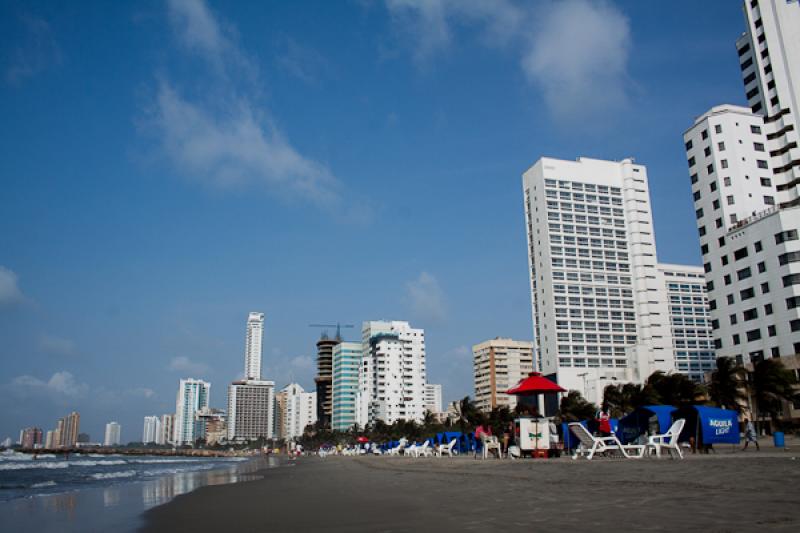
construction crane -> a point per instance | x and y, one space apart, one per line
337 326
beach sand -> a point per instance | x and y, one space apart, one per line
722 492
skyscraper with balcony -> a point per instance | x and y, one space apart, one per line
498 364
393 373
193 395
253 346
600 313
297 409
744 167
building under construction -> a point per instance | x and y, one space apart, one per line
324 377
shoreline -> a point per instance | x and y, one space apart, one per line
723 492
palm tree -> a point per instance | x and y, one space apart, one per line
468 414
625 398
727 386
771 383
673 389
574 407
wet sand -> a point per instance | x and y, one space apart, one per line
723 492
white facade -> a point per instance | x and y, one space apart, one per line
251 410
193 395
498 365
744 165
393 373
344 385
433 398
599 312
252 349
152 430
689 319
165 436
113 434
299 409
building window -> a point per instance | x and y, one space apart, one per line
724 163
769 200
733 320
729 199
789 235
693 177
758 246
710 169
788 257
704 134
762 267
713 186
724 260
718 128
764 288
746 273
753 335
761 163
691 161
726 182
746 294
791 279
736 340
750 314
766 182
707 151
759 147
721 146
741 253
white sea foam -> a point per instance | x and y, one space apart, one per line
30 465
97 463
114 475
43 484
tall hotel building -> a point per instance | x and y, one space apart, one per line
393 375
113 436
251 409
498 365
192 396
296 410
151 432
744 165
346 363
600 310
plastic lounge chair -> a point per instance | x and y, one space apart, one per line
490 442
399 448
669 440
448 448
421 450
604 444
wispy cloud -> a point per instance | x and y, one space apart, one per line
142 392
56 345
574 51
10 292
185 365
301 61
426 297
224 135
37 52
60 384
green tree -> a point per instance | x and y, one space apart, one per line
673 389
574 407
469 416
728 385
770 384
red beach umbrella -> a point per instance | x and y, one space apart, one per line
362 439
534 384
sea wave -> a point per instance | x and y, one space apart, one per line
44 484
19 465
114 475
98 463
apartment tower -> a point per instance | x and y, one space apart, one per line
498 365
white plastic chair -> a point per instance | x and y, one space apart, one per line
422 450
490 443
604 444
448 448
669 440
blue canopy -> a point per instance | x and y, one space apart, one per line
636 423
711 425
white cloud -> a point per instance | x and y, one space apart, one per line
301 61
578 56
143 392
223 136
187 366
60 384
426 297
9 289
35 54
56 345
575 51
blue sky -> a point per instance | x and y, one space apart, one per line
167 167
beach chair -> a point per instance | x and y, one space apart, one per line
401 445
669 440
490 443
411 451
592 445
448 448
422 450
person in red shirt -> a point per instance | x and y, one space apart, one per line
604 421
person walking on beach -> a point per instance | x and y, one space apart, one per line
750 434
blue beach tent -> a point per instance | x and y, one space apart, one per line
710 425
633 425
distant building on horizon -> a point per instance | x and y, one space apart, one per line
253 346
499 364
49 442
151 433
346 361
297 410
167 433
113 436
433 398
31 438
210 425
66 432
193 395
324 378
393 373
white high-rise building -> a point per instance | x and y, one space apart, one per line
599 312
689 319
251 410
167 433
252 349
744 165
393 373
113 434
498 365
433 398
193 395
344 384
298 409
152 430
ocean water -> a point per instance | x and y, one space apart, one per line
105 493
